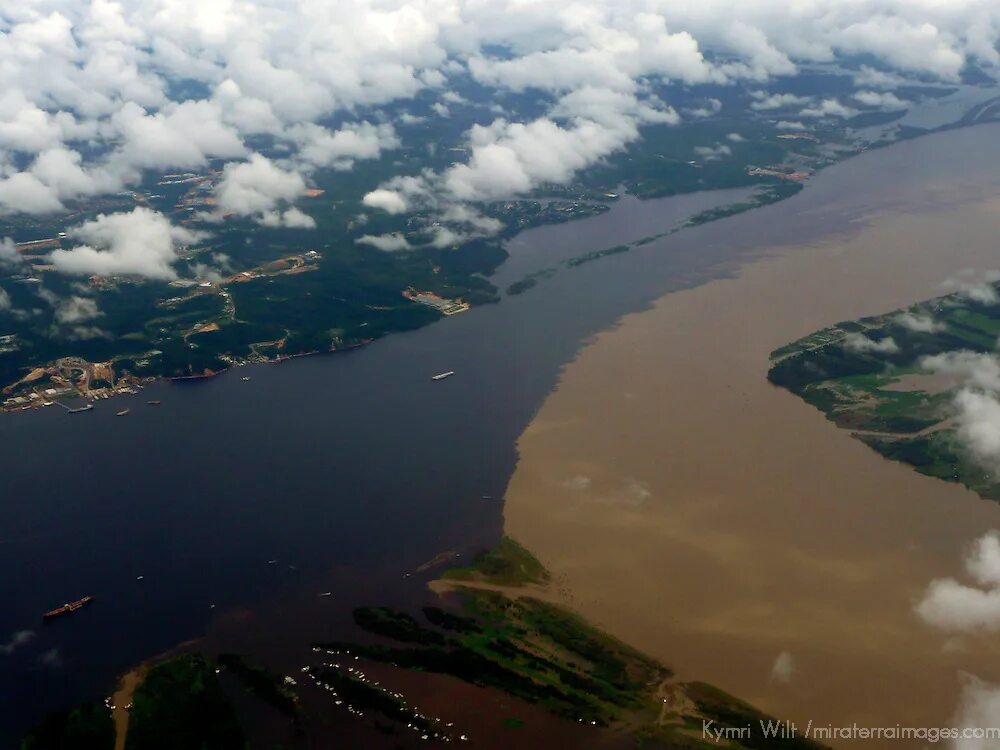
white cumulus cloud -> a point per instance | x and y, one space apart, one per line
142 242
919 323
784 668
858 342
261 189
386 242
952 605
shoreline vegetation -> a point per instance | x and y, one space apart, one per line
480 606
67 380
284 302
725 568
490 629
498 632
892 380
279 300
761 198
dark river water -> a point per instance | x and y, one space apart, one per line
349 470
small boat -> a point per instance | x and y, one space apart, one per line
123 412
80 409
326 593
443 375
68 608
154 402
245 378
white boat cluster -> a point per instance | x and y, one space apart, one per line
418 721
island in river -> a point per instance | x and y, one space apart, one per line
696 511
612 273
915 384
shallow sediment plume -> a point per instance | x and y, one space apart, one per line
719 523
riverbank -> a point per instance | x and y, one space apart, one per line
121 701
229 542
54 383
718 523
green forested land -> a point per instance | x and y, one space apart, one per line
354 294
543 654
180 705
865 391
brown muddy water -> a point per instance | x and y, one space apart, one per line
718 522
715 538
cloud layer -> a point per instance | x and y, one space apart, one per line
142 242
976 404
263 190
91 93
952 605
97 93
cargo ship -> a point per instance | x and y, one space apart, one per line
68 608
443 375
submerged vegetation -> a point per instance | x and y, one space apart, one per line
533 651
544 654
491 631
263 684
